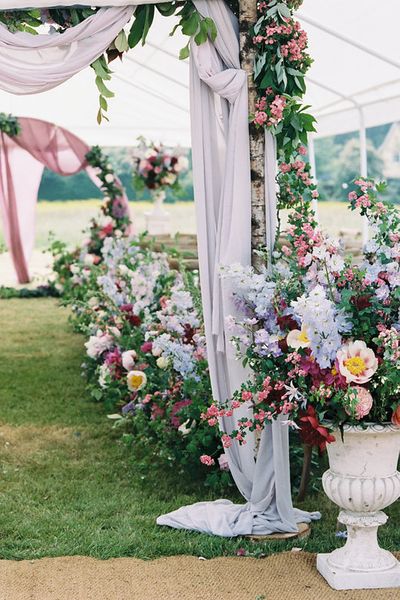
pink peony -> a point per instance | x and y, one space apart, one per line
361 402
357 363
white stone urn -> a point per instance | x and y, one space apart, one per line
158 221
362 480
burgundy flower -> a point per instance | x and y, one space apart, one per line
146 348
177 407
312 432
361 302
287 322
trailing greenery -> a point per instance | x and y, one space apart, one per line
190 22
280 66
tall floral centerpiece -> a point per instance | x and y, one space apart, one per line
158 169
322 338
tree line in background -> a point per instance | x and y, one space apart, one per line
337 164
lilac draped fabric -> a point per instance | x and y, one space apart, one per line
221 175
30 64
22 160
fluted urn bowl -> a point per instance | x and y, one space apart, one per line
362 480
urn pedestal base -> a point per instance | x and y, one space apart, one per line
158 223
341 579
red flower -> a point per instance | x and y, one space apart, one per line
312 432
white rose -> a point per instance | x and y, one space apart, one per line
162 362
109 178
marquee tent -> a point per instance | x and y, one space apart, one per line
355 79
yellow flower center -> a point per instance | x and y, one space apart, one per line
334 371
136 381
303 337
355 365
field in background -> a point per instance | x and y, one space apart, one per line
67 219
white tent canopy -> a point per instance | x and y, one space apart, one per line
356 65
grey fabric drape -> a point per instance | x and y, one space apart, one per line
221 169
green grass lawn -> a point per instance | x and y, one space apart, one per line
68 486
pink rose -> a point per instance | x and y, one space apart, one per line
361 402
207 460
396 416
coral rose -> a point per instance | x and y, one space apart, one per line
357 363
396 416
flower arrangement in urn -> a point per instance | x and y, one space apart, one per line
321 335
157 168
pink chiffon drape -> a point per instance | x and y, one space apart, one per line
22 160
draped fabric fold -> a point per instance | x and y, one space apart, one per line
30 64
22 160
221 172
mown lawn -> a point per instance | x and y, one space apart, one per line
67 485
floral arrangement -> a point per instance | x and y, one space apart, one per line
321 334
73 266
157 168
146 356
280 66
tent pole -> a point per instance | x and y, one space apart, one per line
247 18
363 167
311 158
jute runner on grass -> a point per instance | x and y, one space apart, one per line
285 576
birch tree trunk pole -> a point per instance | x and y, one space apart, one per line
247 18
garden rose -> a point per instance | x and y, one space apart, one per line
97 344
298 339
136 380
360 401
357 363
128 359
207 460
396 416
162 362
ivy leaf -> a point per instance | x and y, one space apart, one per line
202 36
144 16
121 42
212 29
166 9
191 26
103 103
184 52
104 91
